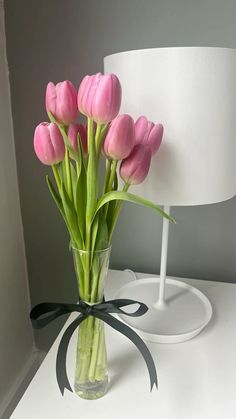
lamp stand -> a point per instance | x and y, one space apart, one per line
177 311
161 303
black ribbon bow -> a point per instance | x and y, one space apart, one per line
50 311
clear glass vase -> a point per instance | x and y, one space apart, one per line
91 374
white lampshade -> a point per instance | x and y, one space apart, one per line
192 92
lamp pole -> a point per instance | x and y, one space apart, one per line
161 302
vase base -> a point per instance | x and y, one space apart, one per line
91 390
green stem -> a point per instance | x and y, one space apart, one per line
110 182
112 175
87 284
101 137
79 267
100 371
87 280
95 285
68 175
57 176
77 169
84 350
92 183
107 176
117 211
95 349
98 138
91 352
89 134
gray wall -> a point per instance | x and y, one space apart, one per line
56 39
16 337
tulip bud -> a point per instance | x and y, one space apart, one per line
61 101
99 97
73 131
48 143
134 169
149 134
119 140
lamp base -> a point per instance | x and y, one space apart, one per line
183 314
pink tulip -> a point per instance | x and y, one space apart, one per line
99 97
119 140
73 131
135 167
61 101
48 143
149 134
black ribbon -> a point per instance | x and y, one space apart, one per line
43 314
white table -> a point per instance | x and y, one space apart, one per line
197 378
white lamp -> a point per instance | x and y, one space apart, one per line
192 92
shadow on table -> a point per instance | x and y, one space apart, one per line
120 366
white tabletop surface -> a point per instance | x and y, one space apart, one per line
197 378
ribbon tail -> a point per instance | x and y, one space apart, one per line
135 338
61 373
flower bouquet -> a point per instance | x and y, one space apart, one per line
88 205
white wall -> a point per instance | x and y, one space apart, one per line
58 40
16 338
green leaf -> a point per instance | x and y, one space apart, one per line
112 205
68 145
126 196
55 196
102 233
110 213
80 160
94 232
58 202
62 171
80 200
100 139
115 183
71 218
73 178
92 177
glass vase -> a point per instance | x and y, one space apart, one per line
91 374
